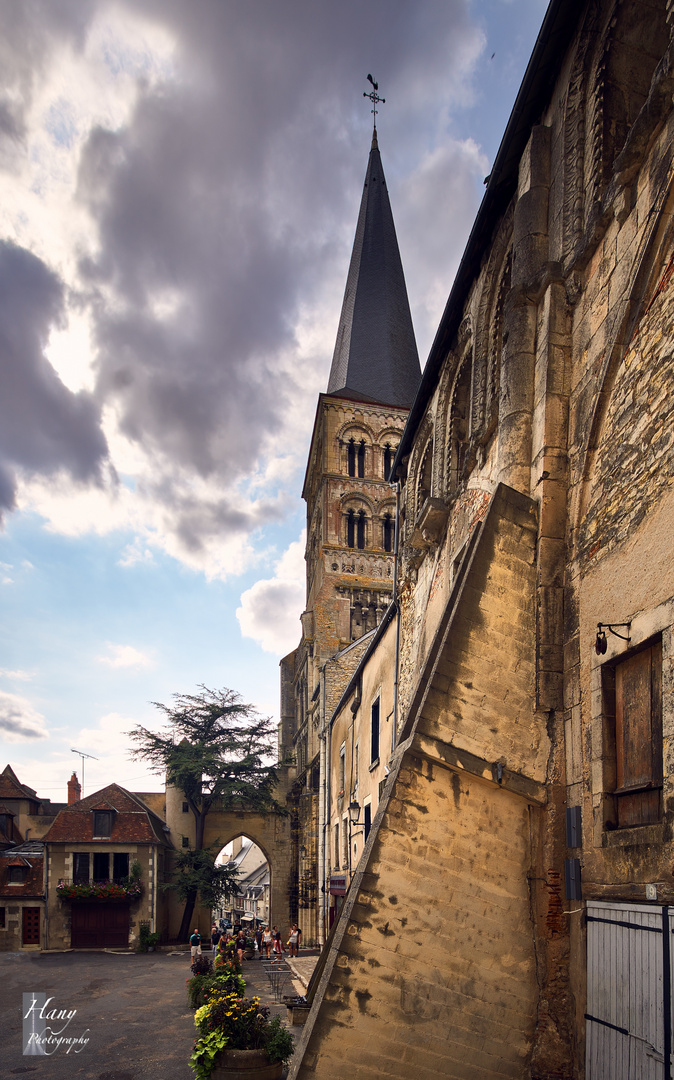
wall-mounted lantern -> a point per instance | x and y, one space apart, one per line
601 645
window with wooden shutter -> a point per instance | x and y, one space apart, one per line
638 729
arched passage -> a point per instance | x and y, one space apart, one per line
271 833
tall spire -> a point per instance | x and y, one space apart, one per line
375 354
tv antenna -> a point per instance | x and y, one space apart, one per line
374 98
82 756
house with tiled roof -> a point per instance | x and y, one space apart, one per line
106 858
24 819
22 896
30 815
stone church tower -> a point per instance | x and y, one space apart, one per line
350 513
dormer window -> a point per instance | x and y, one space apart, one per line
6 826
102 823
17 875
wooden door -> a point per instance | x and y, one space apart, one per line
99 926
31 926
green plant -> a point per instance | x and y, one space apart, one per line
244 1021
146 939
204 1053
279 1041
200 986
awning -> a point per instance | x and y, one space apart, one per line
338 885
247 917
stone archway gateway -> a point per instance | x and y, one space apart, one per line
272 834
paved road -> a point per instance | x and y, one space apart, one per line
132 1007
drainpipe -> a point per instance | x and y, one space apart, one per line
325 795
395 601
321 808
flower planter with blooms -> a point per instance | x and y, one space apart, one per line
236 1037
99 890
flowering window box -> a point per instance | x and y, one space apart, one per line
99 890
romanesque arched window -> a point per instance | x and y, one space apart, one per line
355 458
389 455
356 529
351 529
388 530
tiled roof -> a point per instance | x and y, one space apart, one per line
11 788
32 886
133 821
375 355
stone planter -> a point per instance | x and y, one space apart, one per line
246 1065
297 1014
248 954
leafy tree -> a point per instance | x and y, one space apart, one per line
215 750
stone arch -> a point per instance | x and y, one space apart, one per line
356 435
388 441
489 335
385 519
272 834
652 271
616 58
423 446
357 520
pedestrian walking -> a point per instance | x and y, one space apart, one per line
216 934
195 945
278 943
267 939
240 945
293 940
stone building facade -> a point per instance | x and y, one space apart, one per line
511 912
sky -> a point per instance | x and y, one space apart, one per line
180 186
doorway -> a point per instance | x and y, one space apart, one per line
31 926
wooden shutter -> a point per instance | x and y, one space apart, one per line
638 692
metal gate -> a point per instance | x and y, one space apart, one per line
629 978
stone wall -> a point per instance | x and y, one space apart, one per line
435 966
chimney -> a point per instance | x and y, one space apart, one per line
74 789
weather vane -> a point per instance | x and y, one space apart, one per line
374 98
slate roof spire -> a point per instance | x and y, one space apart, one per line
375 355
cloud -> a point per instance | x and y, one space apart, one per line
179 212
18 674
270 609
19 721
124 656
44 428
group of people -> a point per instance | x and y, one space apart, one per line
268 941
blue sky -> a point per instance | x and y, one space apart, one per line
181 184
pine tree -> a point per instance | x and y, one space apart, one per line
215 751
